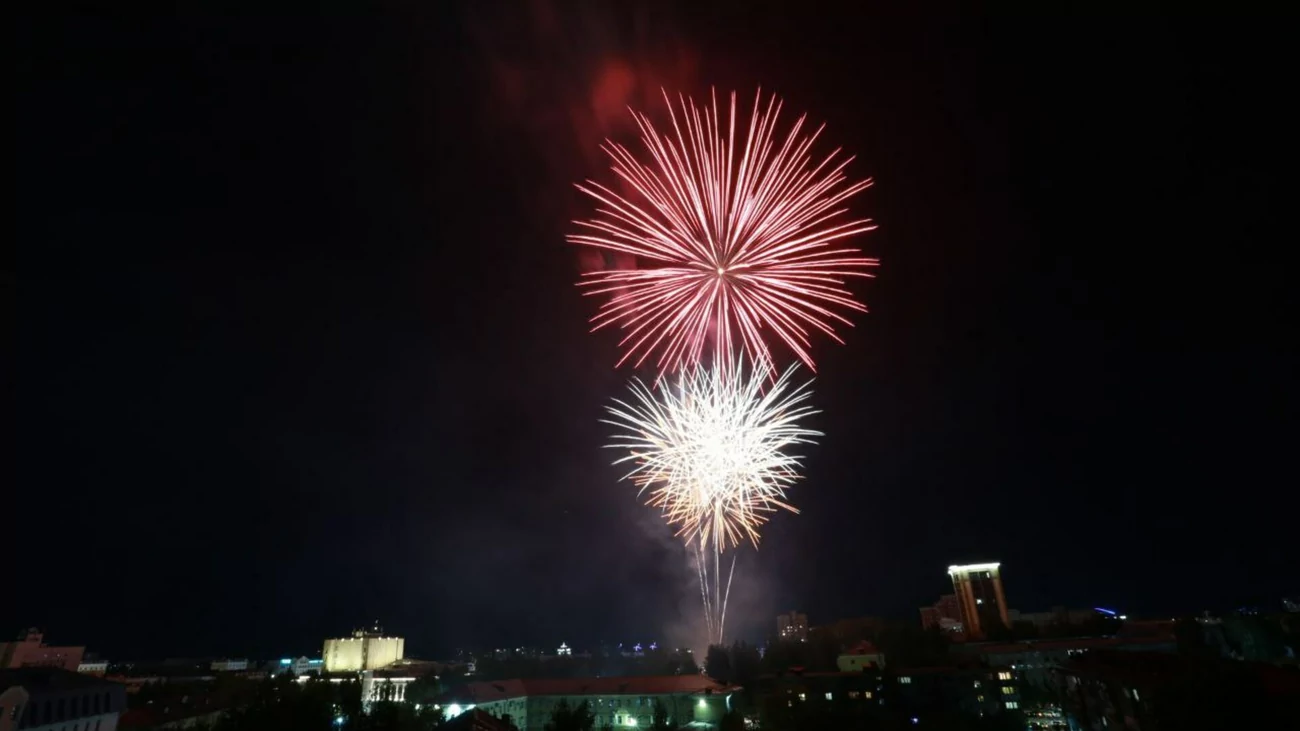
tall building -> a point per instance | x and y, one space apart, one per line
364 650
30 651
792 627
978 587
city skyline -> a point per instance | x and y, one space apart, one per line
298 345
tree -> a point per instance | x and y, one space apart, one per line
682 663
424 689
732 722
661 720
717 663
566 718
746 666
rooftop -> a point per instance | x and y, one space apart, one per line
1074 643
1147 669
50 679
862 648
487 691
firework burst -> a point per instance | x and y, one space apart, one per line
712 452
732 236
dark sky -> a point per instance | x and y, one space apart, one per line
298 347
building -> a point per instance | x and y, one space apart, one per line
931 693
945 614
1138 691
802 700
364 650
30 651
93 664
792 627
229 666
298 666
860 657
615 702
979 594
53 699
384 685
477 720
1057 617
1035 660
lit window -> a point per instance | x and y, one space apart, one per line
803 697
828 696
977 683
1136 697
1004 675
905 680
1012 705
979 698
1007 690
855 694
868 694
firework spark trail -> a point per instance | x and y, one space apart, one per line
737 237
711 451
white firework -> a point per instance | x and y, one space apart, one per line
712 450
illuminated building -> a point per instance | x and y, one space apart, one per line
364 650
792 627
298 666
30 651
979 593
98 668
618 703
945 614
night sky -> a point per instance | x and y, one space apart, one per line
298 346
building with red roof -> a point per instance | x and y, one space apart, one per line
623 703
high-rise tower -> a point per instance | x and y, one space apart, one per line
978 587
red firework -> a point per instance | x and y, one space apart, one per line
731 239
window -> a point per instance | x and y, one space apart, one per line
1012 705
828 696
905 680
1004 675
1008 690
803 696
868 695
979 699
1135 695
977 683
